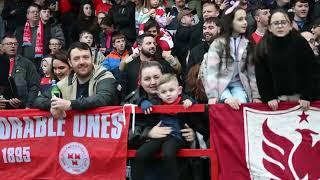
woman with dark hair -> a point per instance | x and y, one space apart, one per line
60 69
147 126
226 71
283 64
84 22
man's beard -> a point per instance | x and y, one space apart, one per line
147 53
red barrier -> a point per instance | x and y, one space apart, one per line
210 152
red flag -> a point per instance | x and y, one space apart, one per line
86 145
257 143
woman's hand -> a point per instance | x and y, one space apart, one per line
304 104
273 104
234 103
159 132
188 133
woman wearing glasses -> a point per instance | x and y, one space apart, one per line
283 64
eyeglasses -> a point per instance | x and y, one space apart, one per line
277 23
11 44
312 41
54 44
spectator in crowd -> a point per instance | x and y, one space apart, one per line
54 45
138 10
182 38
23 79
2 27
15 13
282 4
105 37
212 28
9 14
316 10
60 66
40 3
84 22
51 28
45 81
102 6
261 16
284 63
147 50
31 37
149 75
122 13
68 12
88 87
4 74
301 14
175 10
100 16
112 61
312 41
162 37
170 93
34 37
316 30
87 37
59 69
209 9
155 9
316 64
96 29
230 78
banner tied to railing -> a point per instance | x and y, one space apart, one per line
257 143
84 145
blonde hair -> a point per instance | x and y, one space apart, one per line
167 78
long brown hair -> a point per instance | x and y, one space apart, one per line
61 56
195 84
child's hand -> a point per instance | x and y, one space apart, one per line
135 52
146 106
234 103
187 103
256 100
213 101
169 18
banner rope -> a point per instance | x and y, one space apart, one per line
133 112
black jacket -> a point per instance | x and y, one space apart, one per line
196 54
286 69
316 77
123 17
130 74
27 80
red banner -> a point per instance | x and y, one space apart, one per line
85 145
257 143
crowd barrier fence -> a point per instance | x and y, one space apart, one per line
210 152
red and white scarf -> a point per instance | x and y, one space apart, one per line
27 38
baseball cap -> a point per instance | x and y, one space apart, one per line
185 11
